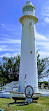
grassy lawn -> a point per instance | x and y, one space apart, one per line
42 104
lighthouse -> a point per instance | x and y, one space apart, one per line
28 60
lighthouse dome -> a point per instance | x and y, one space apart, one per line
28 3
28 9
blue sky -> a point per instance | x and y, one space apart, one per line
10 28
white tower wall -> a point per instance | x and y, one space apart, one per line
28 61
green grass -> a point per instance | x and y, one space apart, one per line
42 104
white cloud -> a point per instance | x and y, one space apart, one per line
10 54
46 19
2 47
44 54
45 12
10 41
39 36
6 54
2 25
45 9
43 46
10 48
46 44
10 31
42 43
11 27
5 35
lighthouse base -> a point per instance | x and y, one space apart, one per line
21 96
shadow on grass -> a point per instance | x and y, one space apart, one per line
20 103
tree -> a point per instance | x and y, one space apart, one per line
9 69
2 78
43 67
15 69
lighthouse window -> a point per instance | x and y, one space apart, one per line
27 8
30 24
31 52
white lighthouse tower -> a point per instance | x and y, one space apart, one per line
28 61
